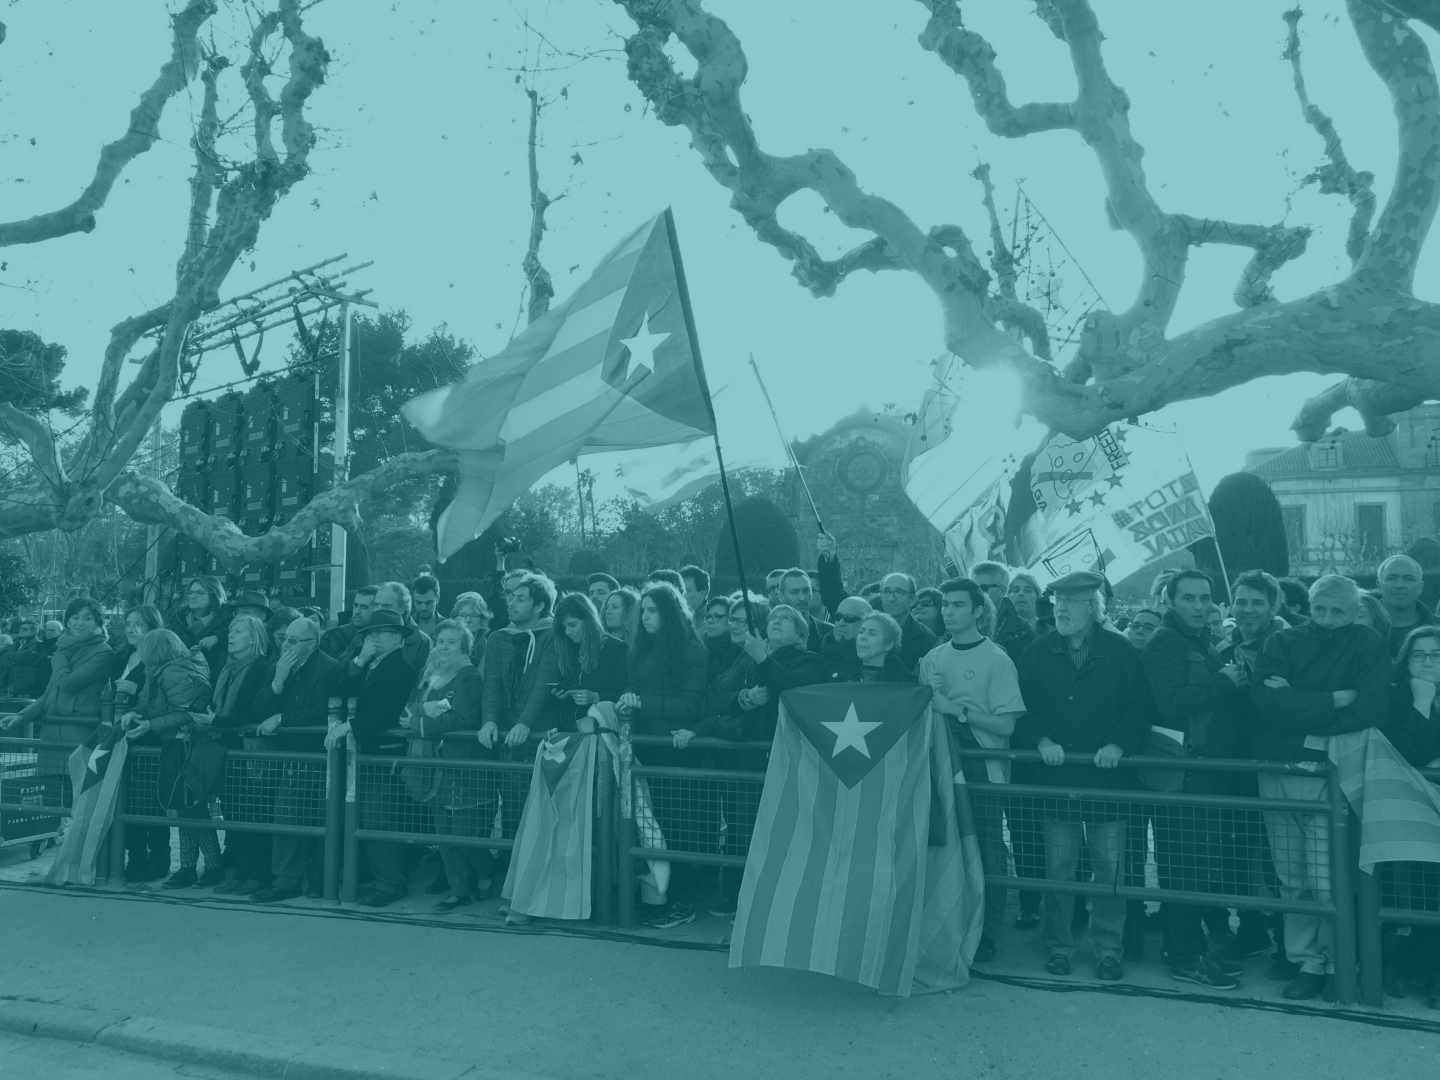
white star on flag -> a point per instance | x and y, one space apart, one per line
850 732
642 347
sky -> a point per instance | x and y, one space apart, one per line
420 166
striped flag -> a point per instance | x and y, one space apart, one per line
1399 810
551 864
96 770
857 867
614 367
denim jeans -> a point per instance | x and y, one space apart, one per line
1105 841
1300 847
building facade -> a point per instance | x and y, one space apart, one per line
1350 500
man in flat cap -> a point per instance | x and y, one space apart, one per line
1088 705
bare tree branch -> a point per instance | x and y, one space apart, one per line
1339 177
971 57
537 278
1402 60
141 133
147 500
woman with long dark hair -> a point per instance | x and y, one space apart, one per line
1413 726
200 623
620 613
591 664
664 694
147 847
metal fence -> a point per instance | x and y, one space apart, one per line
1217 835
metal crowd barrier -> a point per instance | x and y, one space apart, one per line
1212 843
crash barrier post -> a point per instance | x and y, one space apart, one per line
692 807
33 793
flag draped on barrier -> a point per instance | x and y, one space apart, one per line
1116 502
614 367
858 867
96 770
1399 810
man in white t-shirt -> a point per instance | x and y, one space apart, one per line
977 694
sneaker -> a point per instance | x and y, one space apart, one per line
1204 973
183 878
1109 969
1304 987
1282 970
671 916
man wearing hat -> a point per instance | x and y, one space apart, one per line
378 682
1088 705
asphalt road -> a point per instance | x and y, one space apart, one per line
570 1007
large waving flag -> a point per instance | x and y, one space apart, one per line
1117 502
857 867
97 768
614 367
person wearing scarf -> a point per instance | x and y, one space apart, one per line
446 701
69 707
237 704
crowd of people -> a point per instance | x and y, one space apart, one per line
1011 666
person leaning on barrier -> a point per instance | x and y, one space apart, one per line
589 663
1256 601
147 847
237 706
1413 726
1087 706
1324 678
442 716
976 693
303 692
176 689
379 680
68 709
1191 687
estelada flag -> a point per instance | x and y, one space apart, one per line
857 867
97 769
551 865
614 367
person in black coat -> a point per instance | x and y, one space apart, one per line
378 684
147 847
301 699
1088 705
1413 726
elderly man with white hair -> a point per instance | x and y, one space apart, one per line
1401 581
1324 678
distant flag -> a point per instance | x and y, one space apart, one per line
97 768
857 867
1116 502
614 367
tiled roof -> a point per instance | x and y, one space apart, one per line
1358 453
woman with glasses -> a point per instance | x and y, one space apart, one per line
1413 726
202 621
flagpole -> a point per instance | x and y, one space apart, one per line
710 408
789 449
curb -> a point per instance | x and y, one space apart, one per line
257 1055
